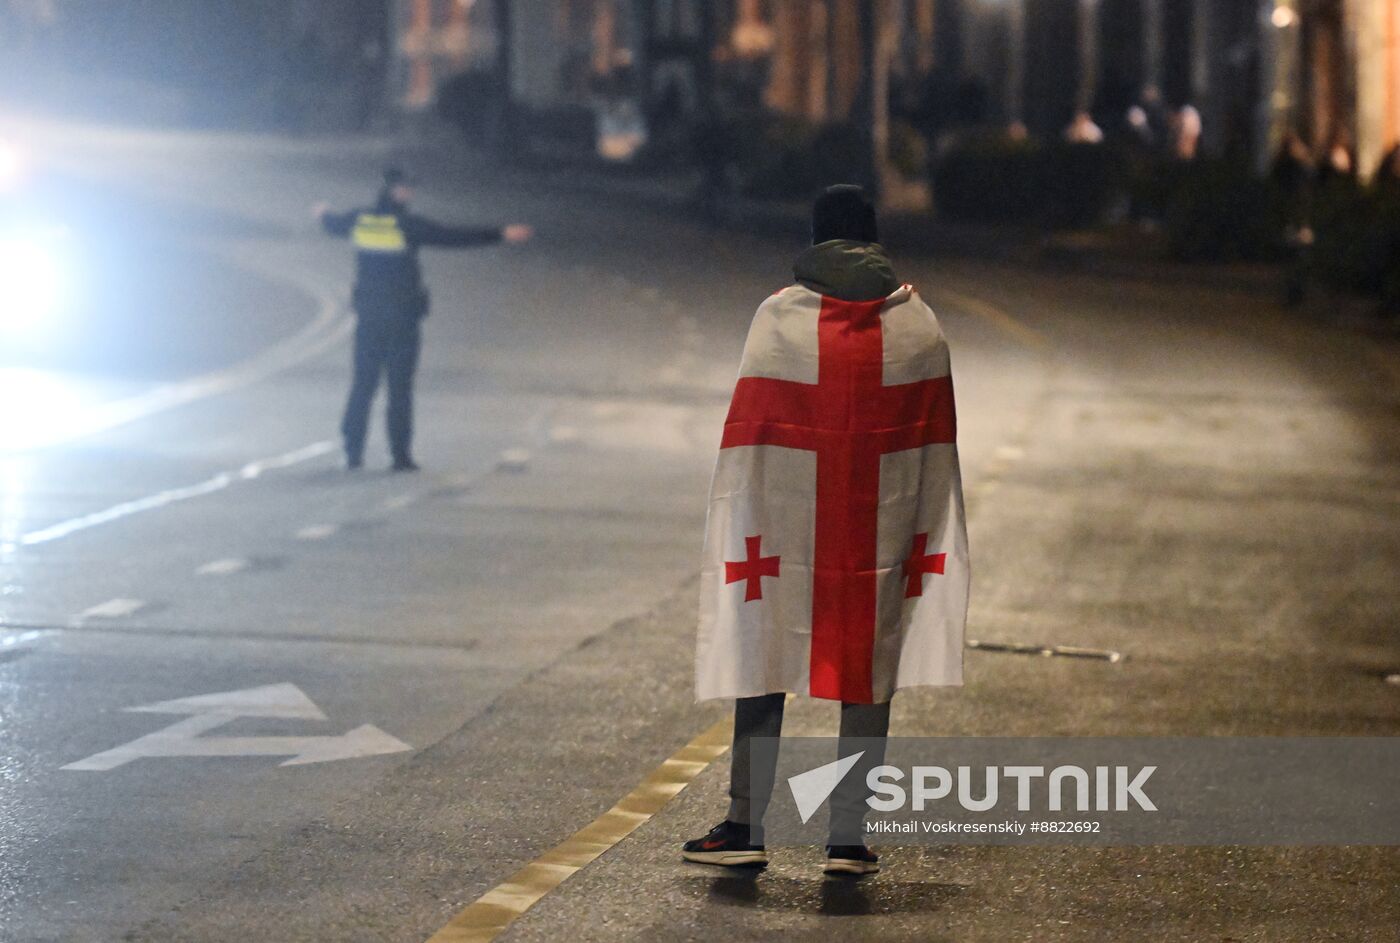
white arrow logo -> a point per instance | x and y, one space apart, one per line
214 710
810 789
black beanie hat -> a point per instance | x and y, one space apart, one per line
394 176
844 212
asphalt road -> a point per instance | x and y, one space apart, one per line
1189 476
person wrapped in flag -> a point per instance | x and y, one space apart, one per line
836 559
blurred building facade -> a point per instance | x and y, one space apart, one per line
1249 69
1338 75
436 40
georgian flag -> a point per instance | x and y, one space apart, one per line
836 556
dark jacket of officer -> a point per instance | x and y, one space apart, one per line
387 237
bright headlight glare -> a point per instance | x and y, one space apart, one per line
11 166
31 283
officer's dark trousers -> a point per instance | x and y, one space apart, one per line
389 348
864 728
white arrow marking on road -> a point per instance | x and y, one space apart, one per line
113 609
269 700
214 710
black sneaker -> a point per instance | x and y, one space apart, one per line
726 844
405 465
851 859
354 463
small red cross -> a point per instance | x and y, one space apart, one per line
920 563
751 570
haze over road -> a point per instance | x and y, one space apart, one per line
466 666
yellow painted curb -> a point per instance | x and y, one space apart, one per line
489 915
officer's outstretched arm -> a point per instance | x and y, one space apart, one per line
425 232
336 224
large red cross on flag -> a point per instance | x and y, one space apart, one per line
839 451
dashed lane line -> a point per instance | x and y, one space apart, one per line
489 915
317 531
118 608
225 567
166 498
19 638
514 460
564 435
35 630
400 501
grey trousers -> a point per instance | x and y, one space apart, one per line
751 787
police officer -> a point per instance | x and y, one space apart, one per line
389 301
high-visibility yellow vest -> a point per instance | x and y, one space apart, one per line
374 232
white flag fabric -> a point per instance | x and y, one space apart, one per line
836 560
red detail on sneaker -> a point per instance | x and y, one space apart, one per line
712 844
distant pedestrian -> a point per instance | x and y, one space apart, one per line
1337 168
1291 176
1139 128
835 559
389 301
1083 130
1187 129
1156 118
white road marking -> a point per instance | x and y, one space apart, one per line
225 567
399 501
209 711
267 700
1048 651
286 459
317 532
1010 453
1393 679
113 609
514 460
165 498
19 638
